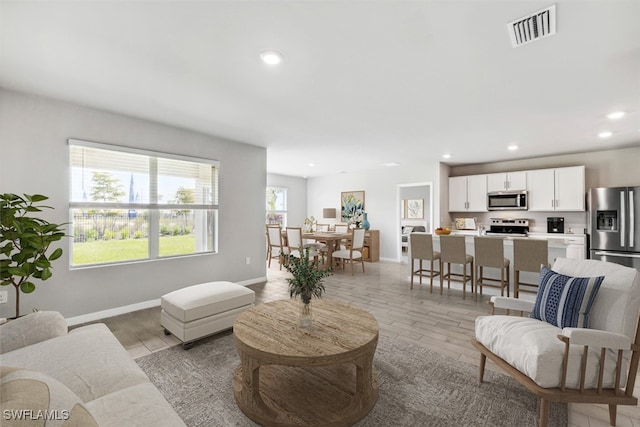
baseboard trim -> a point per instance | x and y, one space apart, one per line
253 281
92 317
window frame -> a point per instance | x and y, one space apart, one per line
277 211
152 207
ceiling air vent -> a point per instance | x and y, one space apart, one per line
532 27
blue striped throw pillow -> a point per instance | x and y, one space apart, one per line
565 301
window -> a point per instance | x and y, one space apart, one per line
277 206
129 204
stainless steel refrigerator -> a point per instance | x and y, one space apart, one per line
614 223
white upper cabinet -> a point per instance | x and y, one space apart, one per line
468 193
510 181
560 189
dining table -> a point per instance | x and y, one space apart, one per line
331 238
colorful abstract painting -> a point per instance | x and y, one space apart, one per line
352 204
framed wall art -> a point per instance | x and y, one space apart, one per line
415 208
351 204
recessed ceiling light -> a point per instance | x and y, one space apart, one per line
605 134
446 156
271 57
312 164
512 147
616 115
391 164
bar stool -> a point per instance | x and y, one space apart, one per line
528 255
422 249
490 253
453 250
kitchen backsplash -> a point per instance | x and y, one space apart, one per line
574 222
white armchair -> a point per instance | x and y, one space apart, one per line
595 365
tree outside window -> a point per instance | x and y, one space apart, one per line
277 206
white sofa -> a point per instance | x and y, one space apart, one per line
87 367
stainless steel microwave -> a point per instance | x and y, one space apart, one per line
507 201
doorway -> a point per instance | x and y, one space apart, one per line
414 213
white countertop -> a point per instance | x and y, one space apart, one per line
555 240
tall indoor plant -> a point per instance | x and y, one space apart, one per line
25 242
306 282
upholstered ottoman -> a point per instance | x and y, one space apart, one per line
197 311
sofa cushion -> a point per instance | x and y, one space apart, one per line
532 346
89 360
37 399
140 405
565 301
31 329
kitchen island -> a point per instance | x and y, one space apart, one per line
560 246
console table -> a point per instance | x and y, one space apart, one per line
290 377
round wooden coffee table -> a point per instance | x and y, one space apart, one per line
290 377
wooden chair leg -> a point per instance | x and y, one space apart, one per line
613 410
516 280
420 267
483 362
544 412
411 269
464 281
431 279
362 262
441 276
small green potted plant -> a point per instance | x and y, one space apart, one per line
306 283
25 242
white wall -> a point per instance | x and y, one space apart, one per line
33 138
296 197
381 197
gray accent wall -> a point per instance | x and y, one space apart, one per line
35 159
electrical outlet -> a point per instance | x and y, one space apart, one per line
4 297
247 260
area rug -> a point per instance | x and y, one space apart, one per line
418 387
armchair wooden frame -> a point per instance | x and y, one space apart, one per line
609 396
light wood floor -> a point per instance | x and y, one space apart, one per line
439 323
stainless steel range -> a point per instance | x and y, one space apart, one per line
509 227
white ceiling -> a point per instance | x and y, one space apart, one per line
362 82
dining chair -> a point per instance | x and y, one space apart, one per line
276 247
422 249
322 227
453 251
354 253
528 255
489 252
341 228
296 245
